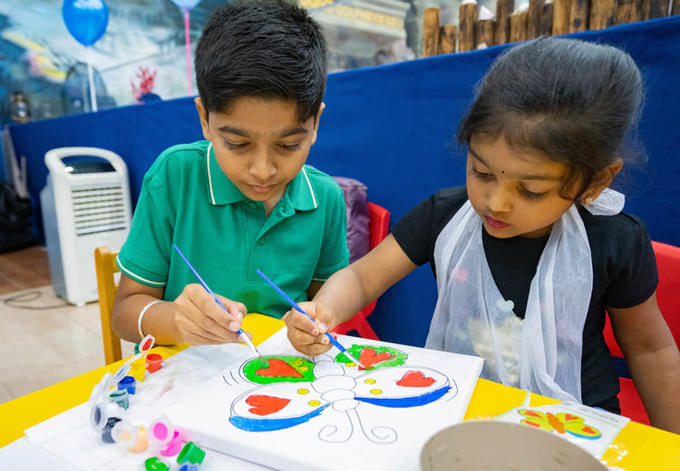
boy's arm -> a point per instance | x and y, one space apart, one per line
193 317
653 360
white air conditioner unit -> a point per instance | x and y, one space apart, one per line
85 204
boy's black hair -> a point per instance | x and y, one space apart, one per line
572 100
268 49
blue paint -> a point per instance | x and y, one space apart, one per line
266 425
406 401
583 436
128 383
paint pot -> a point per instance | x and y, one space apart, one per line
128 383
490 444
121 398
163 436
191 453
154 362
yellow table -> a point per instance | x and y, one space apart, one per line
637 447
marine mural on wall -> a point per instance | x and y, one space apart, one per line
141 56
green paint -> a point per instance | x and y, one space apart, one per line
398 357
191 453
156 464
301 365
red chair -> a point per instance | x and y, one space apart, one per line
378 228
668 297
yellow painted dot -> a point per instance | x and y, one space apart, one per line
303 368
297 362
314 403
303 391
376 391
369 381
350 364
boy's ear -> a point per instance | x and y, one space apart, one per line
602 180
203 116
316 122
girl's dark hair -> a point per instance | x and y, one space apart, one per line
264 48
572 100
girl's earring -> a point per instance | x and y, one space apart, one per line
588 201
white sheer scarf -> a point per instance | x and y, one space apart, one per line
542 352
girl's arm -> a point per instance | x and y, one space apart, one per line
345 293
193 317
653 360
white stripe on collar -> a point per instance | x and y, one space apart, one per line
207 161
311 191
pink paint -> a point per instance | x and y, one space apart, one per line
174 446
160 431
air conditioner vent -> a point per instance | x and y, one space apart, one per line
98 209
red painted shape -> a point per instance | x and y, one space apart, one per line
368 357
588 429
265 405
147 345
278 368
571 417
531 413
415 379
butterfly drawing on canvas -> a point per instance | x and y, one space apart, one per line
562 422
293 390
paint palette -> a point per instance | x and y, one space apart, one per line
289 411
591 429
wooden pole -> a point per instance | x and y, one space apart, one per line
431 32
467 16
484 33
561 11
602 14
578 16
624 9
534 21
447 39
545 26
504 9
657 9
675 8
518 25
639 10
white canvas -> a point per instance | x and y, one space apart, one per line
344 418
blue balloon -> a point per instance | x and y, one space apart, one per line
86 20
185 4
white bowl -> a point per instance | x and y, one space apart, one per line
479 445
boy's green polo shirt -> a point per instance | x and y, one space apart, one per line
187 200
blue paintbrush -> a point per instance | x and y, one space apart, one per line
299 309
240 332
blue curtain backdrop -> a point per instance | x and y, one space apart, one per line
392 127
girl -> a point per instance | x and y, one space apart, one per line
530 254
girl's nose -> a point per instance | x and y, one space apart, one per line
499 200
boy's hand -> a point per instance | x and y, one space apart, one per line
200 320
306 336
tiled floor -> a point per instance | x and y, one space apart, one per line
43 340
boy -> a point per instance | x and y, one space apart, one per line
242 199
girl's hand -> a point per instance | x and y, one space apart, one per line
306 336
200 320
